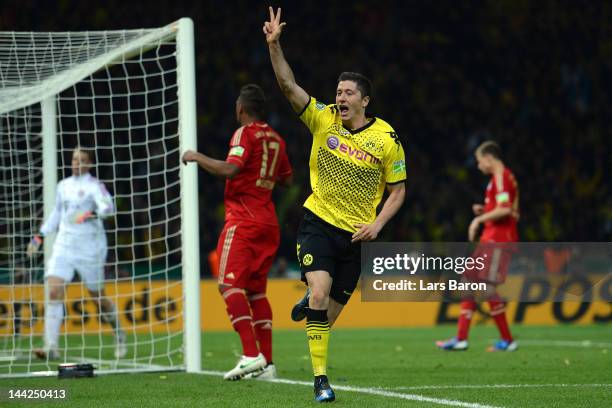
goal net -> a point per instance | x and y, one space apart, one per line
128 97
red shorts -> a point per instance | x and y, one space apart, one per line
496 258
246 252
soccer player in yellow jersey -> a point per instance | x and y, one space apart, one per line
353 159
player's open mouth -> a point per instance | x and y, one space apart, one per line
343 109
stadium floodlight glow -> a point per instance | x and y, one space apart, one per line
129 96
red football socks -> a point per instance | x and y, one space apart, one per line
498 313
240 315
262 323
467 310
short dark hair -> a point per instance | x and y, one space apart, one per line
363 83
253 100
490 147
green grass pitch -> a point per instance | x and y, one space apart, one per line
561 366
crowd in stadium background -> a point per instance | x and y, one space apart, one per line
531 75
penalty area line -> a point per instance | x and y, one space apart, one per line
371 391
482 386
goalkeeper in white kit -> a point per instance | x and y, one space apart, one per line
81 203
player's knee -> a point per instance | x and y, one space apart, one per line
254 296
319 298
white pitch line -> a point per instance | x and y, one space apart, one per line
439 387
373 391
565 343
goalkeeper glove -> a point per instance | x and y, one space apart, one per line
34 245
81 218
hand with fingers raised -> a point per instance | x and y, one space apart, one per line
273 28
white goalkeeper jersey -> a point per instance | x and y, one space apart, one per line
76 195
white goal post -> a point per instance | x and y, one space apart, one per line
128 96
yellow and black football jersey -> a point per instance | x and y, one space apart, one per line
350 169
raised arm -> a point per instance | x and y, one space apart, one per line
298 98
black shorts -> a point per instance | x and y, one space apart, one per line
322 246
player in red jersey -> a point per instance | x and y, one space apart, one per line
256 161
499 215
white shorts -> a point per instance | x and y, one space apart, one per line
88 263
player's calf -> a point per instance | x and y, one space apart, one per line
120 344
262 323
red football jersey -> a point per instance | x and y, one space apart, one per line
260 154
502 192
